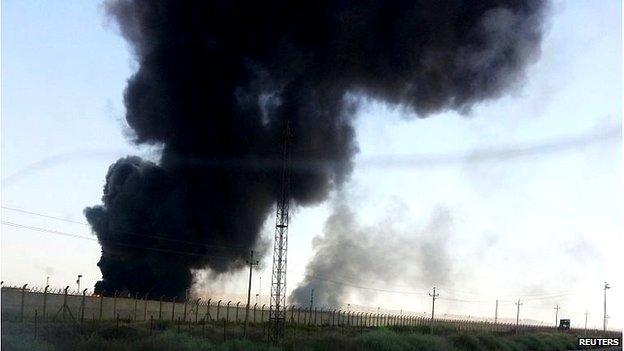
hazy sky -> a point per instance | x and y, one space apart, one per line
531 182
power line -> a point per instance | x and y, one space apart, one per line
321 278
547 297
480 301
527 297
313 277
57 232
42 215
120 232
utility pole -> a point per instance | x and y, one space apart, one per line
251 263
496 312
78 281
556 308
604 318
311 299
518 313
586 313
433 298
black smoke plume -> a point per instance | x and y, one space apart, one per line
217 81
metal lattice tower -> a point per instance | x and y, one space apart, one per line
277 314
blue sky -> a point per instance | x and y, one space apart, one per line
543 223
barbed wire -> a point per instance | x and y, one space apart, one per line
350 281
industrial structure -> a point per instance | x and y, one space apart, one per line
277 312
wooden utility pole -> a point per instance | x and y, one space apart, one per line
496 312
604 318
556 308
433 298
518 313
251 263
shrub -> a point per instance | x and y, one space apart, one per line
423 342
466 342
382 340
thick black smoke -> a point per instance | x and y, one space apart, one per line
217 81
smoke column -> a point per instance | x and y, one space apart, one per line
217 81
350 255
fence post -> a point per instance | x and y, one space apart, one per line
151 324
160 307
185 303
208 311
254 317
238 303
45 302
64 301
173 302
197 309
262 317
136 295
218 309
101 301
145 306
115 304
227 311
82 307
22 304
